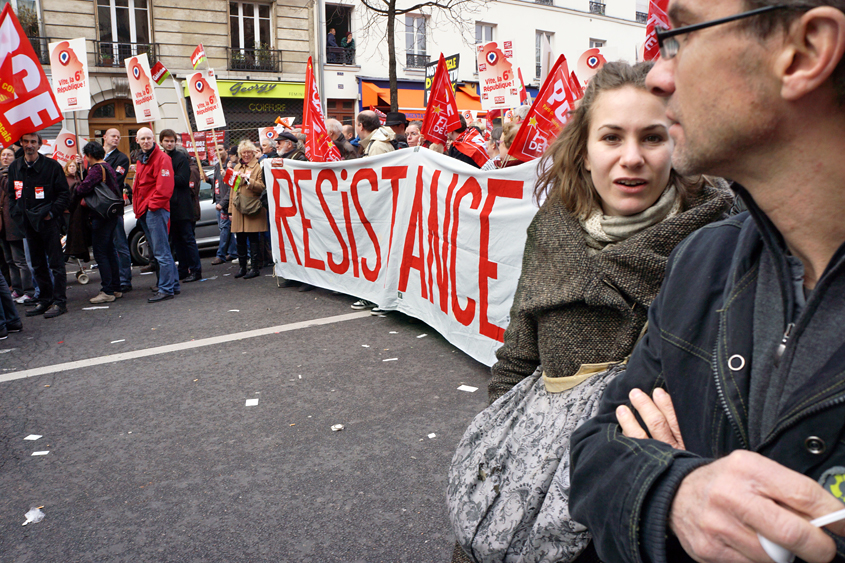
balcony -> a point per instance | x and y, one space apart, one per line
340 56
597 8
642 17
254 60
414 60
545 2
111 54
39 44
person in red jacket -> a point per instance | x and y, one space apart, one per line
152 192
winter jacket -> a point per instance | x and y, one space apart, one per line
220 192
699 347
153 185
195 184
120 163
44 191
571 308
94 176
347 151
181 202
378 142
10 230
249 223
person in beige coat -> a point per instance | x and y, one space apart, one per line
247 227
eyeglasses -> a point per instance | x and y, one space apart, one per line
669 46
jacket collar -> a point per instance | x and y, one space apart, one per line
38 165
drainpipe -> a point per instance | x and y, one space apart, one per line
320 34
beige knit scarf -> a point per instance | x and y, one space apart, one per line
603 231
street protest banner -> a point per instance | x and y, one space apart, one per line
431 68
205 101
497 77
69 63
319 146
589 64
411 230
27 102
441 113
65 147
202 138
143 92
656 16
547 116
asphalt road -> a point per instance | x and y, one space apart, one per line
157 458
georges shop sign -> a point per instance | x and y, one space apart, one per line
413 231
244 89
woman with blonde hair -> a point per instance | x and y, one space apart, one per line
249 218
613 209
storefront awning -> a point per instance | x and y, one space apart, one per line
413 101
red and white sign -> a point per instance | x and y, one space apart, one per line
205 101
416 232
142 88
656 16
547 116
204 142
319 146
65 147
590 63
497 80
69 65
18 189
441 114
27 102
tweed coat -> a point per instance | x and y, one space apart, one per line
253 223
571 308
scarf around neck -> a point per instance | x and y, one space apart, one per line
603 231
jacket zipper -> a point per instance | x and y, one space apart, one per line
782 346
797 419
722 398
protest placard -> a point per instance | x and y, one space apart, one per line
69 64
497 80
205 100
141 88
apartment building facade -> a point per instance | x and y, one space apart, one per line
258 50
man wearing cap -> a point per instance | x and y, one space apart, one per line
375 138
287 146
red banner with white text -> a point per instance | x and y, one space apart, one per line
27 103
656 16
441 114
411 230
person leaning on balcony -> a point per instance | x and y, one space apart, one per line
348 43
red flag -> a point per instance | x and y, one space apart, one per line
547 115
575 85
381 115
27 103
656 16
319 146
441 114
198 56
472 144
523 93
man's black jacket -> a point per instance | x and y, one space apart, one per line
181 203
44 190
700 348
120 163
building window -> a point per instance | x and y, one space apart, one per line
124 31
250 25
597 43
28 14
483 34
597 8
415 55
538 50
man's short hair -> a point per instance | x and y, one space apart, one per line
94 150
166 133
766 24
40 140
463 126
369 121
334 127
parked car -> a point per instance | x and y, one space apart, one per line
207 233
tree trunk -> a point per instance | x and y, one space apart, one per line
391 54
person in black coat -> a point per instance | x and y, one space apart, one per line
120 164
182 221
38 195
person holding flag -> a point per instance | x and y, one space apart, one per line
468 145
249 218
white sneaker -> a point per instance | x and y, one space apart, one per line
378 311
363 304
102 297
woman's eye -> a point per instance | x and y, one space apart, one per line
654 139
610 138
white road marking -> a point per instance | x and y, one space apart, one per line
213 341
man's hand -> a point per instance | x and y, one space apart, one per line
219 207
658 415
720 508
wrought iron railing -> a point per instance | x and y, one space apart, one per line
340 56
260 60
545 2
39 44
414 60
112 54
642 17
597 8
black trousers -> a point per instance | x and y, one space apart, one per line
254 253
45 250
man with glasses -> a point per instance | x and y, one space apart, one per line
748 332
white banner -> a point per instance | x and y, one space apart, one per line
411 230
205 101
69 64
142 88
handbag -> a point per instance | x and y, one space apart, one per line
246 205
508 486
103 201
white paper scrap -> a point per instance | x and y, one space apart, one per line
432 436
95 308
390 360
365 345
33 437
422 336
392 332
251 402
147 273
234 311
468 388
40 453
118 341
